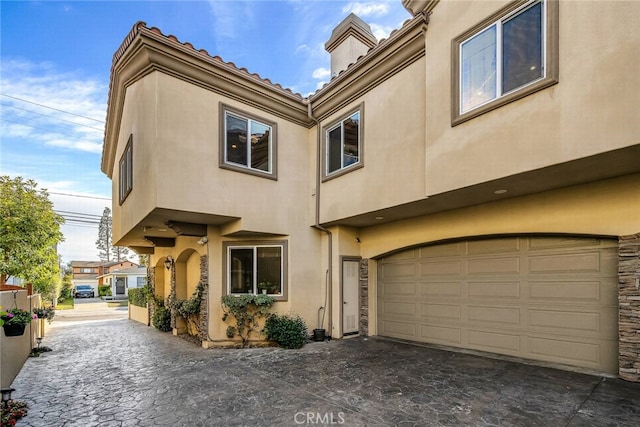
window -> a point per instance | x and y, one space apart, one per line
126 171
343 145
87 270
508 56
140 282
248 143
256 269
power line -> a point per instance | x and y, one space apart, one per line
47 130
52 108
50 116
78 214
77 195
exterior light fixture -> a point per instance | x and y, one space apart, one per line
203 240
499 191
168 262
6 396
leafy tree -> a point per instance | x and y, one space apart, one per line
106 251
29 234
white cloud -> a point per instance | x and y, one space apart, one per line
367 8
381 31
321 73
44 106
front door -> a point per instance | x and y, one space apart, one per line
120 285
350 305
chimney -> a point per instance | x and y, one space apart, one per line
351 39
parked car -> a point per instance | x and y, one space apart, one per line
84 291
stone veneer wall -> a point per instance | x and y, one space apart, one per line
151 278
204 312
364 297
629 307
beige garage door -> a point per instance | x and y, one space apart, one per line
543 298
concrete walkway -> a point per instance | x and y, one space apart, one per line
122 373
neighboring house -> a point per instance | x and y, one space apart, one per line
121 281
91 272
439 189
86 273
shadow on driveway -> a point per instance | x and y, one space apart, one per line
122 373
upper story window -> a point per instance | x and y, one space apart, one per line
343 144
248 143
126 171
509 55
87 270
256 268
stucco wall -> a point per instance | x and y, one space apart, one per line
139 314
393 146
593 108
14 351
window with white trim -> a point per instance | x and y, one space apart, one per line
256 269
248 143
343 144
125 177
508 56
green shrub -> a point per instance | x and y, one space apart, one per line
138 297
104 291
288 331
161 319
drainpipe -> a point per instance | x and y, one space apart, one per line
317 226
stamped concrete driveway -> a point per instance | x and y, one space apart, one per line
121 373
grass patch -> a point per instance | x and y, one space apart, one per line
67 304
120 303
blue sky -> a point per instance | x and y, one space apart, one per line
55 59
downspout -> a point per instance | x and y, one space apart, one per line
317 226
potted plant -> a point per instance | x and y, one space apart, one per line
15 320
45 313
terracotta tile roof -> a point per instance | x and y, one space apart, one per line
141 27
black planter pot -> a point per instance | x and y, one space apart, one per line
318 334
13 330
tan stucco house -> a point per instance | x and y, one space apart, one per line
472 181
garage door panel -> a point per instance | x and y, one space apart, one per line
400 289
494 289
565 351
515 296
562 320
445 250
588 323
441 289
441 311
541 243
400 308
441 268
403 330
494 341
396 270
441 335
494 266
493 246
571 263
491 315
571 291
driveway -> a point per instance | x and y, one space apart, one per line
122 373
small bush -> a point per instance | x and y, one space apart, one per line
138 297
161 319
104 291
287 331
